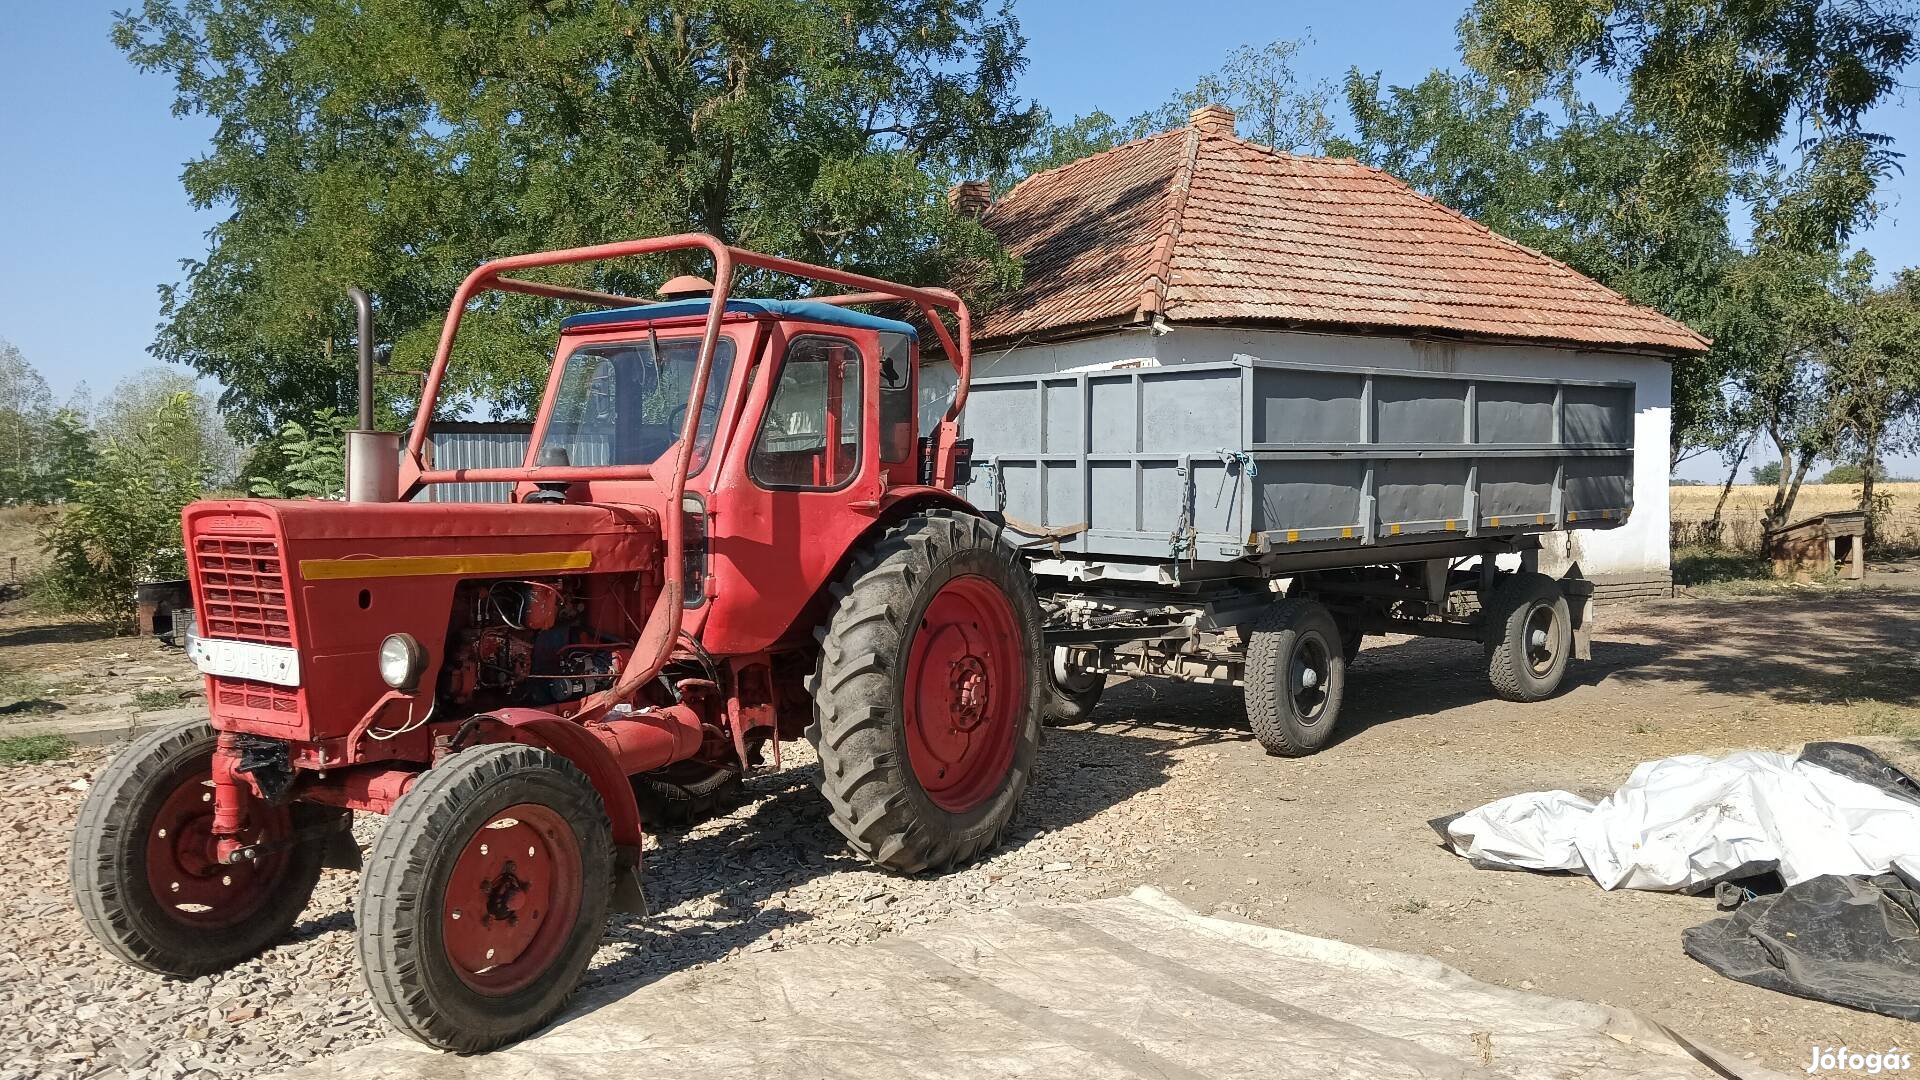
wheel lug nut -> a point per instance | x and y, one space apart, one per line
456 914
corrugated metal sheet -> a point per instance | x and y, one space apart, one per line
476 446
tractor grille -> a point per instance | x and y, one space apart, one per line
243 592
233 694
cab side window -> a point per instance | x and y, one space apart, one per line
897 407
810 436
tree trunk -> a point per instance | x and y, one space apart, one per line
1713 525
1869 464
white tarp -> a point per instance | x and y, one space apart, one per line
1130 987
1683 821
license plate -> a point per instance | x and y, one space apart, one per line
246 660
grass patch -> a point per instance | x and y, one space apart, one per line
1879 718
150 700
1698 564
34 749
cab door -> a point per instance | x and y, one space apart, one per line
803 480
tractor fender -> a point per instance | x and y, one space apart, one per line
576 744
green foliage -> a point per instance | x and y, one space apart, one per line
1844 474
309 462
122 525
396 145
34 749
157 698
1768 474
1271 106
40 446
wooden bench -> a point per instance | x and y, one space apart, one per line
1814 547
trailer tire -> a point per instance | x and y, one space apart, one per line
444 885
1071 695
1529 635
928 694
1296 673
149 812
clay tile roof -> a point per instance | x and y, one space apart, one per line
1196 225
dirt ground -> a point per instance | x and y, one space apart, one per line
1164 787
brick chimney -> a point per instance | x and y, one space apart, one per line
1212 120
970 198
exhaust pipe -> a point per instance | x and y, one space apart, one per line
373 457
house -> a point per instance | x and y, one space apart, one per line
1196 246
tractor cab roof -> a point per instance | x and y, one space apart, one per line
810 310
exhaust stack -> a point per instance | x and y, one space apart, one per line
373 457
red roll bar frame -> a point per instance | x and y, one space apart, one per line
663 626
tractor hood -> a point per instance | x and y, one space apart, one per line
331 580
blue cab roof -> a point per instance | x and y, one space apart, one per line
811 310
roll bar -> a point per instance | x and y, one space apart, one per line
663 626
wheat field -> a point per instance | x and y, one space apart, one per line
1740 523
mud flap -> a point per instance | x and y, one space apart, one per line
628 896
1579 592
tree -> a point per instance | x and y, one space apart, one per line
140 397
123 522
26 405
1271 106
1725 82
396 144
1768 474
309 461
1875 384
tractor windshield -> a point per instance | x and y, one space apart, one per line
619 404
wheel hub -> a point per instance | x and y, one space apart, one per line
963 687
184 872
511 898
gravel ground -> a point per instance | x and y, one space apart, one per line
771 874
1165 787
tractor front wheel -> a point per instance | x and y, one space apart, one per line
146 877
928 697
485 896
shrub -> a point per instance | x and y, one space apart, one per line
123 523
34 749
312 460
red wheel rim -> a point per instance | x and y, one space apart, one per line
965 689
183 872
512 899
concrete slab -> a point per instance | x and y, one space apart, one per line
1130 987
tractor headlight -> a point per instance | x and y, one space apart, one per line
402 660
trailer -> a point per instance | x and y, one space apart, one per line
1249 523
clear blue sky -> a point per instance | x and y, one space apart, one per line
92 216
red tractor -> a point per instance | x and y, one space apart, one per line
729 531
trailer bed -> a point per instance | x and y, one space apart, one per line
1259 459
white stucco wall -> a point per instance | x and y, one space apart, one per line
1638 547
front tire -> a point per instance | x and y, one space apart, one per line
1529 637
1296 674
929 691
485 896
144 873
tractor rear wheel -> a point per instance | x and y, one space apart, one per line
145 876
485 896
928 694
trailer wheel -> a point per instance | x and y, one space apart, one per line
929 691
1072 694
1296 672
1529 637
485 896
143 868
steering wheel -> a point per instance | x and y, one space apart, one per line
709 419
